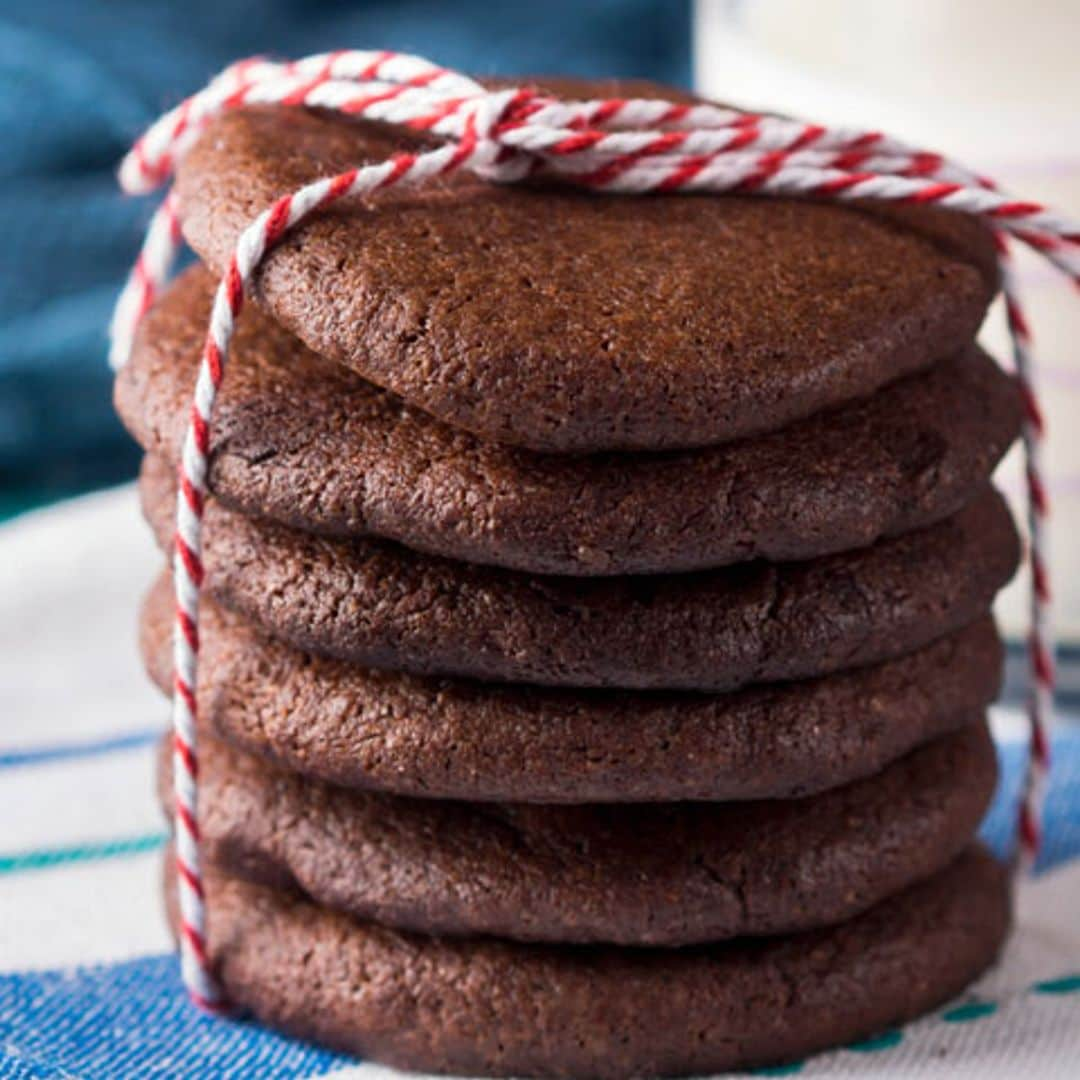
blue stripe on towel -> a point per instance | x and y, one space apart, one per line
1061 833
133 1019
91 851
43 755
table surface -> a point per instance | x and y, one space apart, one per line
88 982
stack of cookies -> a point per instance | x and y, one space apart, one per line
595 640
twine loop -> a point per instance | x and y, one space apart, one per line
625 146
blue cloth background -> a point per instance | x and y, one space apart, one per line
80 79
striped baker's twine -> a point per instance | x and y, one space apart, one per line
624 146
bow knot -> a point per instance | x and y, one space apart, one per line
486 119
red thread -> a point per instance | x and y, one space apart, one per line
192 563
188 629
676 114
188 822
684 173
842 183
195 939
340 186
402 164
235 290
212 359
812 133
189 876
372 70
184 691
606 111
199 427
934 193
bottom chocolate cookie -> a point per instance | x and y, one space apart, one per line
487 1007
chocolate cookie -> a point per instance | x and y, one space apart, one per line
474 1007
384 606
560 320
306 442
628 874
454 739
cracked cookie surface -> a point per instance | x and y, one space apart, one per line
458 739
380 605
308 443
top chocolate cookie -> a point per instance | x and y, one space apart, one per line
567 321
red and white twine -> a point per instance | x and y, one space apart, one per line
619 146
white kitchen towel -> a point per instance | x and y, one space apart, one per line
88 982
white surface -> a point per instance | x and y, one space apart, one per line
100 912
71 579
